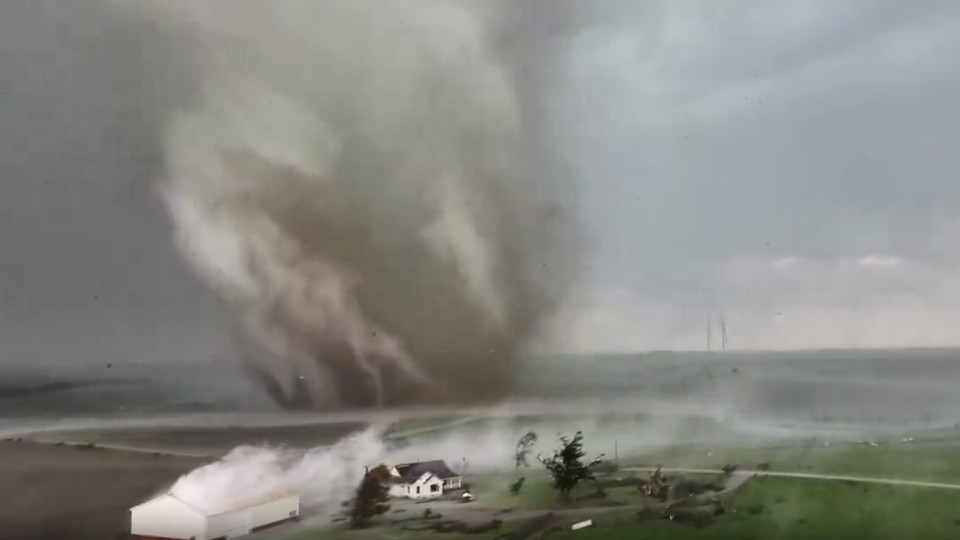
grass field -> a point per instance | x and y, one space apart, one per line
792 509
538 493
935 460
764 508
389 533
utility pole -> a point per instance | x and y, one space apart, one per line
723 332
709 332
616 455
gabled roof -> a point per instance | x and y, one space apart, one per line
210 511
411 472
168 495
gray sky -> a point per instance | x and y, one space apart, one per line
88 272
792 163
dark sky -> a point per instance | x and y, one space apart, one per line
793 164
88 272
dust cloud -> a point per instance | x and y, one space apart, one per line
361 182
326 477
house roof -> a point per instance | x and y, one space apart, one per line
411 472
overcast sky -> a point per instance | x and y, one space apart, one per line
792 164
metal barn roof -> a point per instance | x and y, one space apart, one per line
239 504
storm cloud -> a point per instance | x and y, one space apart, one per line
791 164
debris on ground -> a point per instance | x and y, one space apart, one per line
728 469
530 528
693 512
680 499
581 525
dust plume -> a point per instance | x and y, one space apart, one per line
360 181
327 477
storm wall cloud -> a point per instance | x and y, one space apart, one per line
353 178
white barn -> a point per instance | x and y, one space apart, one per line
423 480
168 517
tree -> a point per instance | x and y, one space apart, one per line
524 447
372 496
565 465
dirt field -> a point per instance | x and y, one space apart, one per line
60 492
210 441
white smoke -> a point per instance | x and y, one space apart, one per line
324 477
350 176
327 477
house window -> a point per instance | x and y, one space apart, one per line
434 488
418 490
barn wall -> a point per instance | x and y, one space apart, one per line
246 520
274 511
229 524
166 517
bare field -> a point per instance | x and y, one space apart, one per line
51 491
207 441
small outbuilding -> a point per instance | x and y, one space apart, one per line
168 517
423 480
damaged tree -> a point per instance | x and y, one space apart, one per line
565 465
524 447
372 496
653 486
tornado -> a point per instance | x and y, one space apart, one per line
364 184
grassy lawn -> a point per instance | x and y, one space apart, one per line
538 493
391 532
793 509
492 491
765 508
937 461
340 531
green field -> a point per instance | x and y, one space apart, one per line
934 460
788 509
764 508
537 493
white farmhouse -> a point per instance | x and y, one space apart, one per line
423 480
168 517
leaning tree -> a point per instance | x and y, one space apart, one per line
372 496
566 466
524 447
